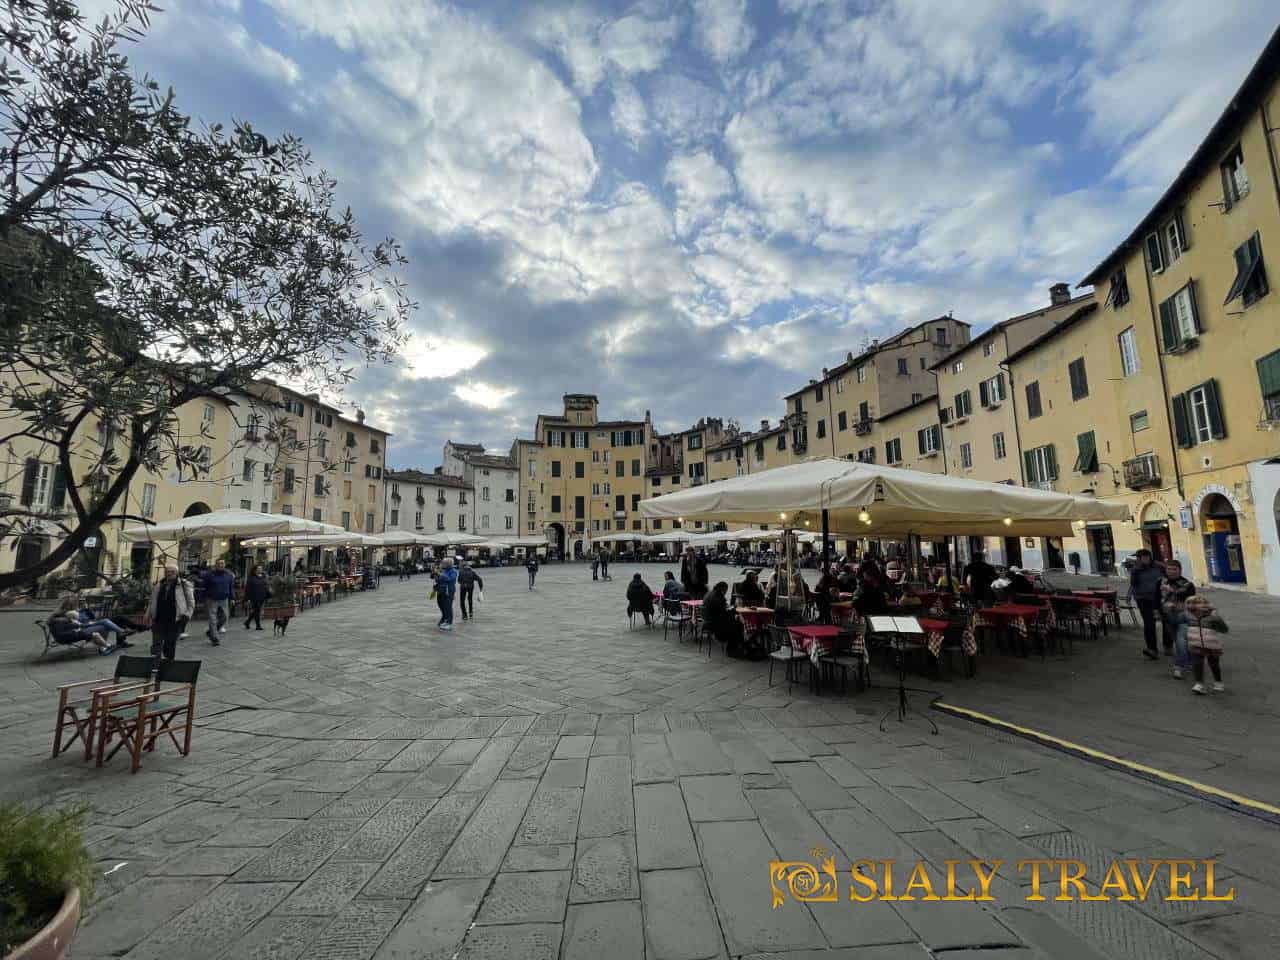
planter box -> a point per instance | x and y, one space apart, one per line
52 941
281 613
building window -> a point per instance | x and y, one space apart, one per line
924 363
1269 380
1079 379
997 445
346 489
867 455
860 374
966 456
817 397
1155 252
595 489
1041 464
579 469
579 508
368 522
940 336
555 504
1118 293
1175 237
963 404
839 385
1128 352
439 521
347 465
864 411
374 445
1235 180
555 468
395 518
319 485
1197 415
315 514
322 448
1033 400
782 444
917 397
207 416
903 369
417 520
287 509
1179 318
991 391
635 468
148 499
1251 277
957 367
1138 421
842 420
462 522
510 522
822 429
484 521
484 493
533 468
346 519
988 348
929 439
1086 453
893 451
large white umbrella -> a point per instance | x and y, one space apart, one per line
444 539
863 499
229 522
518 541
399 538
345 539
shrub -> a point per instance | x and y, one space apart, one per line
41 855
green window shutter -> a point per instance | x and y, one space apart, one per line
1155 254
937 437
1168 326
58 495
984 394
29 474
920 439
1217 429
1195 309
1269 373
1051 461
1182 229
1182 421
1029 465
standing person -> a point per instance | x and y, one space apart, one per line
468 580
1144 589
219 587
604 564
256 592
531 564
1206 642
172 603
693 574
1175 590
979 575
595 565
446 583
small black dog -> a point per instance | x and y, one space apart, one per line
279 627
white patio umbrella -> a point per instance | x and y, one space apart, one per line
443 538
344 539
229 522
863 499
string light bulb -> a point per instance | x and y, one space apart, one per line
783 516
864 516
1008 521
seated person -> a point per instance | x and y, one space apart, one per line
848 579
750 592
894 588
640 598
826 593
671 589
943 580
1019 583
67 621
720 621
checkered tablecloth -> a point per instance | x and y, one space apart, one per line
996 621
817 641
968 642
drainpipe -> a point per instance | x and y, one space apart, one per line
1013 401
937 408
1267 131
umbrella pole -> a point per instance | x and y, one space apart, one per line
904 706
826 542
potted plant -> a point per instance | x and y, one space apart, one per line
283 603
45 875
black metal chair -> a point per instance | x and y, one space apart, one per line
782 651
673 612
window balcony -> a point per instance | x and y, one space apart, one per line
1143 471
862 427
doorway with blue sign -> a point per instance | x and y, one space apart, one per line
1224 556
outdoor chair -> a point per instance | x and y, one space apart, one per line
840 659
781 651
953 643
60 632
136 720
79 703
1125 604
673 612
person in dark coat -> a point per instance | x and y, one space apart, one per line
640 599
256 592
468 580
1144 588
671 589
750 592
979 575
693 574
724 626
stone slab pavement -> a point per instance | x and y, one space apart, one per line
545 782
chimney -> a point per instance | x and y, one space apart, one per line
824 373
1059 293
849 357
359 416
764 424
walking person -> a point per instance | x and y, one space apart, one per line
468 580
1175 591
604 564
446 584
693 574
532 566
1144 590
219 587
595 565
172 604
256 593
1205 642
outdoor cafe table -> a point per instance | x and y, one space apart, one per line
754 619
694 607
816 640
1013 615
935 630
1097 604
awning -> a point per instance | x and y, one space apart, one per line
870 500
226 523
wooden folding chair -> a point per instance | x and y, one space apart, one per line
132 673
138 720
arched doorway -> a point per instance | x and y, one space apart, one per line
1224 555
578 550
190 552
557 539
1155 531
31 550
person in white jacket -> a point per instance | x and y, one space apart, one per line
172 603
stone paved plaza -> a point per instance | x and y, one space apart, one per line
545 782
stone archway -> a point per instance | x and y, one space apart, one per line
557 539
1223 552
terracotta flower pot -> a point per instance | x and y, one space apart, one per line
280 613
55 937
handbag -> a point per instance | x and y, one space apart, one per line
480 595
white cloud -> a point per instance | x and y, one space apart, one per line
590 44
443 356
484 395
701 186
629 114
722 28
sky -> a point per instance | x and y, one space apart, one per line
691 208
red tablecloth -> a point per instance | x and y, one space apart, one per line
1095 606
1013 614
935 630
816 640
754 618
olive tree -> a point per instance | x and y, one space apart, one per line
148 260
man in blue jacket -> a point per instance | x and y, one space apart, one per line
446 583
219 587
